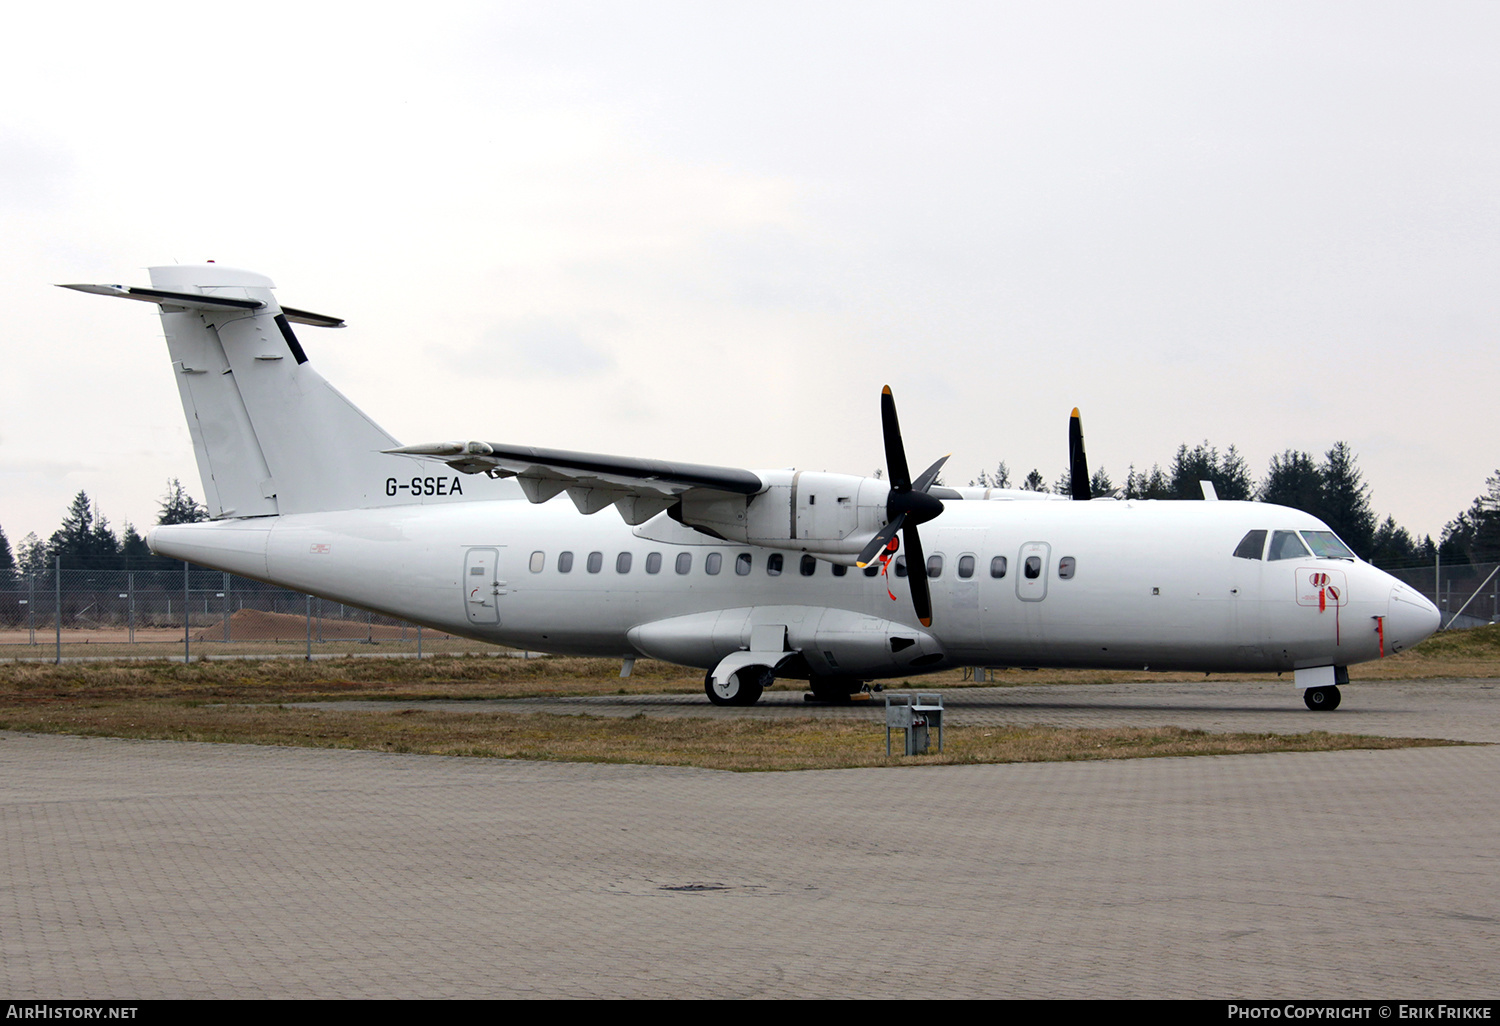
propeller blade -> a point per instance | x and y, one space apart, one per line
924 483
1078 462
880 541
895 452
916 575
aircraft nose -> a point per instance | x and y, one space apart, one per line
1410 619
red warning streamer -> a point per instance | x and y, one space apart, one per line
885 564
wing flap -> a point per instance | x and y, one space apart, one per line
638 488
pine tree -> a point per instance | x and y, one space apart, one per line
1034 482
1474 535
1148 486
7 559
1190 467
1294 480
1346 499
31 556
84 536
1229 473
1487 522
178 507
1100 486
1234 482
1393 546
132 545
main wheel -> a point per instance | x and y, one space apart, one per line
1322 699
744 686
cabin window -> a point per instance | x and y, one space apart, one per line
900 566
1251 546
538 561
808 566
1033 567
1066 567
1326 545
934 566
565 562
684 562
713 563
839 570
1286 545
774 563
742 564
653 562
872 569
997 567
622 563
596 562
966 567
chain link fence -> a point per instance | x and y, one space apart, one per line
1467 594
167 609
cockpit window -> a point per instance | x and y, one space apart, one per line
1286 545
1326 545
1252 545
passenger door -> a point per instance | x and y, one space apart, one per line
482 586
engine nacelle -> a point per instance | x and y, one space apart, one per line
831 515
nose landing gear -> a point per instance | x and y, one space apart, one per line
744 687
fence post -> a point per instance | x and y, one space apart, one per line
57 580
1437 587
309 627
226 607
419 641
187 616
31 605
130 590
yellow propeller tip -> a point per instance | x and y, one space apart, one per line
1075 413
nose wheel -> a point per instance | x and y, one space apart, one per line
1321 699
744 687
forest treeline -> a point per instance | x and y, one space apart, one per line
1332 489
86 541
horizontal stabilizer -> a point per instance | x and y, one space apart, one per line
316 320
195 301
188 300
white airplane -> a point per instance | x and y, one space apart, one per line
752 576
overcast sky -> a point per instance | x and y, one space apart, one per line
711 232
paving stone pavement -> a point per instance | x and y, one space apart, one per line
162 869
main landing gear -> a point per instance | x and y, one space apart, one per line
1325 699
743 687
833 689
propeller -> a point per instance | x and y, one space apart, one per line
907 505
1078 463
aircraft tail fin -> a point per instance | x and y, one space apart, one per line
270 434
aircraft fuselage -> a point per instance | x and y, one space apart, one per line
1103 584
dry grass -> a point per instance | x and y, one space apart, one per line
249 702
292 680
727 744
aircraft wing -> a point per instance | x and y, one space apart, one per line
638 488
